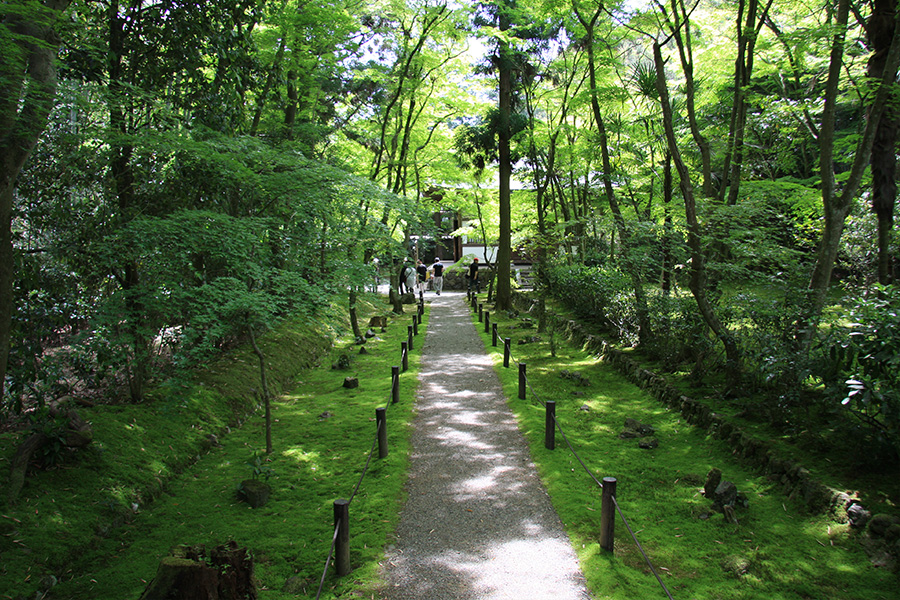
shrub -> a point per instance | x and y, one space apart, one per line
679 333
600 293
861 365
774 363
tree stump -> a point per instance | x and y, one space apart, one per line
188 573
255 492
77 434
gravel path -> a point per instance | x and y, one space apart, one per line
478 523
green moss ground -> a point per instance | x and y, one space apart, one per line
91 525
77 523
778 551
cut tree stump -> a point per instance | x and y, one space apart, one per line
78 434
189 573
255 492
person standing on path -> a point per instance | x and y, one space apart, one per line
410 280
472 279
477 523
422 272
405 270
438 277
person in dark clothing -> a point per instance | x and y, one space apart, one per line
422 272
404 273
438 275
472 280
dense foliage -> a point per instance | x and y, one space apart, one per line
695 177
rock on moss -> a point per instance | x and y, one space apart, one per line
881 523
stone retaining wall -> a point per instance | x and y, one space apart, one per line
795 480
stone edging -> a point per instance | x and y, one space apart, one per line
795 480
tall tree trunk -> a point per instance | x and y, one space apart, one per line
640 297
698 270
743 70
26 98
404 74
264 383
667 236
267 87
123 181
681 32
292 105
836 204
504 249
881 30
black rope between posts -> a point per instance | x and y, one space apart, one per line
353 495
559 427
641 548
337 528
368 462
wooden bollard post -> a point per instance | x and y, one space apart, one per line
550 426
494 336
608 514
381 424
409 337
487 322
480 312
395 385
342 543
522 381
506 342
404 356
415 325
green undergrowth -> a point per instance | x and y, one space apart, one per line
777 551
89 529
839 458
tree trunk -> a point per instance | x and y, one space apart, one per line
290 108
123 179
270 81
394 291
504 249
354 318
667 236
743 70
640 298
26 98
263 381
78 434
685 52
698 269
837 205
403 74
880 32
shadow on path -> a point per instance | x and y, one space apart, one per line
478 523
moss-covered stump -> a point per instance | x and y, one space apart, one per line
189 573
72 433
255 492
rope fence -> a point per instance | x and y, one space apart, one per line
340 541
609 505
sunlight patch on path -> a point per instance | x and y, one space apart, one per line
477 524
